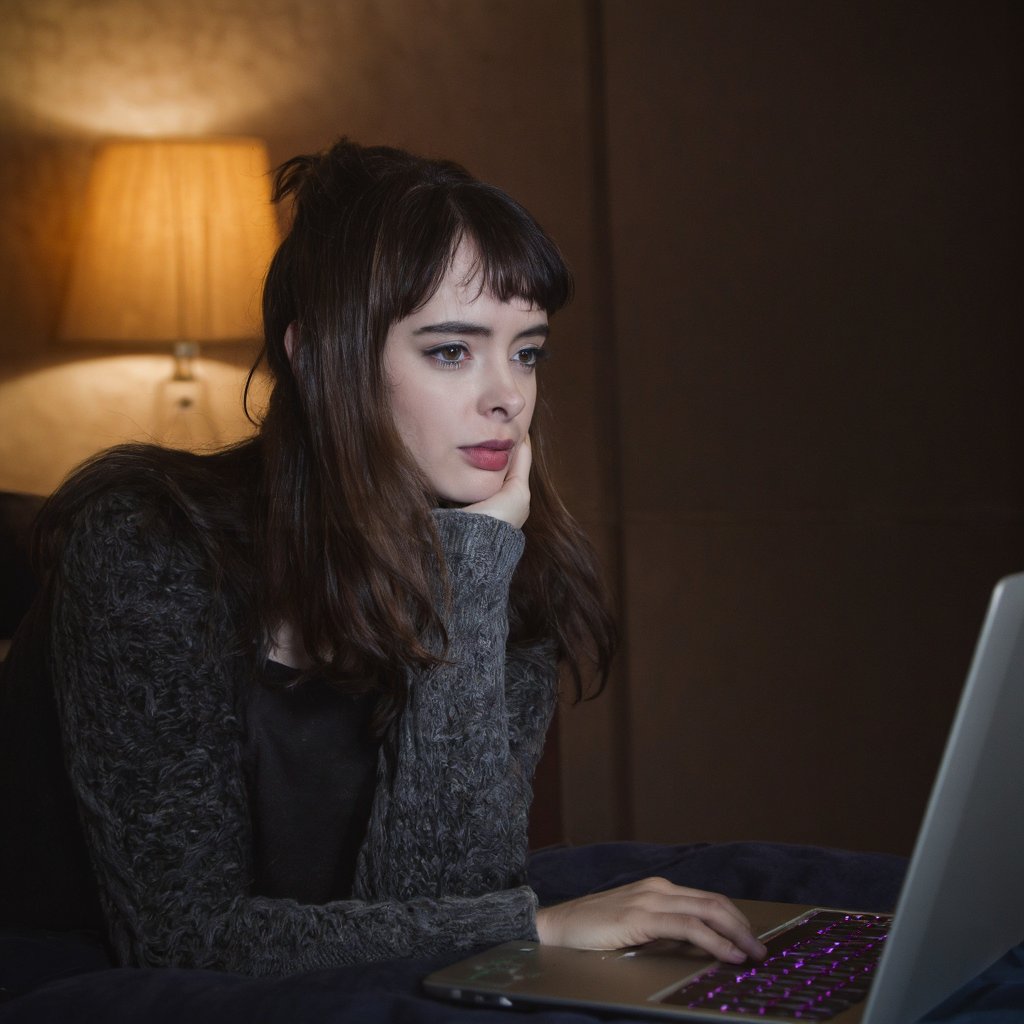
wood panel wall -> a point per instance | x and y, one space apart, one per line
786 402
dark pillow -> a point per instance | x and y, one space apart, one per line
18 584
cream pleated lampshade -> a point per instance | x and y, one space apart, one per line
176 238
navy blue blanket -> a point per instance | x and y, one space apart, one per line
67 978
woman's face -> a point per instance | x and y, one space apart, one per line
462 376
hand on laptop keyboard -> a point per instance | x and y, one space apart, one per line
650 909
814 971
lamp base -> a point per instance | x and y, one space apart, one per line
183 417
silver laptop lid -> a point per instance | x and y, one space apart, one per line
962 905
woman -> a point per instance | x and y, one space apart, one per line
303 684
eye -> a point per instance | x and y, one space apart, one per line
528 358
451 355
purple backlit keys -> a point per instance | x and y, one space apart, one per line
813 971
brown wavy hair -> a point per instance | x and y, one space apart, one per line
343 531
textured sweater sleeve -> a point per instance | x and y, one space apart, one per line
455 777
145 676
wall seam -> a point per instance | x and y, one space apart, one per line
608 398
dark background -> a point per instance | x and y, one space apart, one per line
787 399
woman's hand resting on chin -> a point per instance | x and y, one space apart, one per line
650 909
512 502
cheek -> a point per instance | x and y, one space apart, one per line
530 407
420 415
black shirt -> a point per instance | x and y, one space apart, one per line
310 762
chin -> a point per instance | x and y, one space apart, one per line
460 496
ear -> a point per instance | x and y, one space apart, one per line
291 335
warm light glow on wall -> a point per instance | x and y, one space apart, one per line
125 67
54 417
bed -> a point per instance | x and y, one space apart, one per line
67 978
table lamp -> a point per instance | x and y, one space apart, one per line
175 240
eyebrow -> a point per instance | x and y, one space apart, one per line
479 330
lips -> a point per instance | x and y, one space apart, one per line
492 456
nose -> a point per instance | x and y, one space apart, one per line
501 394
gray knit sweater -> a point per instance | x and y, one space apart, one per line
146 678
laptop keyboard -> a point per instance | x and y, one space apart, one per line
813 971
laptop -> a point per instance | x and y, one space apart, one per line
960 909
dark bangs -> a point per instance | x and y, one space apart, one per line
515 258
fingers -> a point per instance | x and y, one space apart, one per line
692 929
521 463
512 502
653 908
719 930
715 908
708 920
